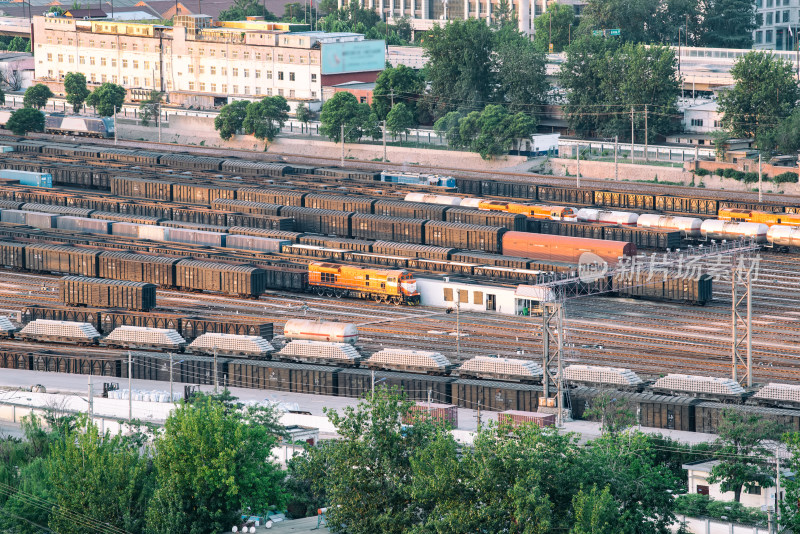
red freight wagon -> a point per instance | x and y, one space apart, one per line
563 248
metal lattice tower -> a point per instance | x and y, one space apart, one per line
593 278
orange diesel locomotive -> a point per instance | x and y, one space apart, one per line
381 285
537 211
763 217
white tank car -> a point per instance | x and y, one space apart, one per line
716 229
427 198
624 218
785 236
689 226
320 331
471 202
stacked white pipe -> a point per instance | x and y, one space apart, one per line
699 384
64 329
490 366
598 374
321 349
409 358
231 344
165 337
784 392
6 325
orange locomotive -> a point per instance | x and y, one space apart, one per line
381 285
763 217
537 211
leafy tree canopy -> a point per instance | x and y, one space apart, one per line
399 119
231 118
75 87
241 9
343 109
556 25
264 119
395 85
107 99
150 108
26 120
37 96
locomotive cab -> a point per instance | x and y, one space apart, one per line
408 288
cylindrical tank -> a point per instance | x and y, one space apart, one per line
716 229
564 249
427 198
321 331
785 236
604 216
690 226
471 202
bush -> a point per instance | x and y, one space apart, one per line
750 177
692 504
702 172
785 177
695 505
729 173
719 172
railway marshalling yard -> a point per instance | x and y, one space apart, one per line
649 338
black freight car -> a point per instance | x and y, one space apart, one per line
284 376
124 186
412 250
383 228
246 206
282 197
410 210
265 232
97 292
268 222
511 221
464 236
336 243
495 396
339 202
61 259
319 221
709 415
695 206
243 280
157 270
652 286
417 387
12 255
203 194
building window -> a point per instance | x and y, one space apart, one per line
245 55
59 40
135 46
91 60
146 48
246 73
258 74
146 65
291 93
213 70
314 60
212 52
93 78
697 122
60 58
191 69
280 92
247 89
786 16
717 124
191 86
753 490
235 89
190 51
69 42
258 90
202 53
136 82
769 3
113 45
268 56
224 71
291 76
313 94
291 58
235 71
235 54
202 85
49 57
123 46
71 59
224 88
201 69
124 80
49 39
135 64
223 53
302 60
213 88
280 58
102 61
258 56
269 74
769 18
103 78
768 36
82 60
269 91
280 75
313 78
124 63
113 62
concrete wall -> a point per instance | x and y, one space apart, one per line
196 130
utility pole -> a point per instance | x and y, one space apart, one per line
458 325
777 491
616 164
632 134
170 377
373 384
384 141
91 400
216 374
159 122
759 178
479 412
391 94
130 382
578 170
115 126
645 132
342 139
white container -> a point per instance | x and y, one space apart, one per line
197 237
320 331
689 226
256 244
624 218
125 229
786 236
154 233
471 202
427 198
84 225
716 229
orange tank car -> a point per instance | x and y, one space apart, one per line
493 205
381 285
763 217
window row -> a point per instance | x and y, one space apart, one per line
245 90
103 62
100 43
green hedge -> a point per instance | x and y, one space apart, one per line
785 177
702 172
695 505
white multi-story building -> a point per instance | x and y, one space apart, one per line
202 63
779 23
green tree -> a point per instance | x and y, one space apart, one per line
19 44
75 87
264 119
26 120
448 127
37 96
557 25
241 9
115 481
399 119
785 138
212 461
493 131
604 79
231 118
596 512
728 24
614 414
395 85
303 114
764 93
299 12
460 69
343 109
107 99
636 19
367 471
150 108
520 71
742 452
790 513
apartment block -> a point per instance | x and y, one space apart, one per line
779 22
203 63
